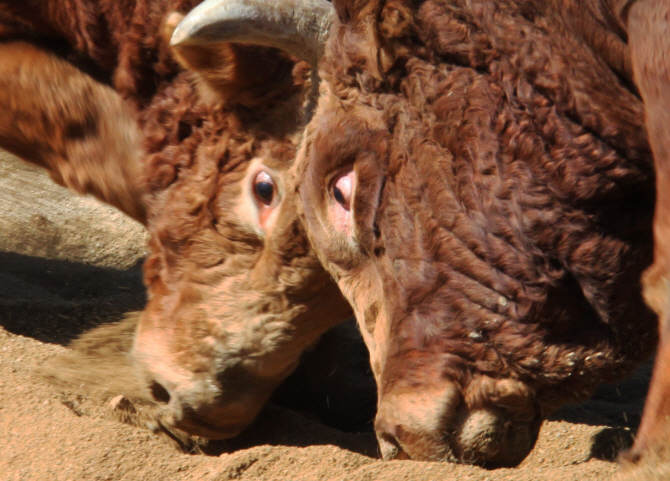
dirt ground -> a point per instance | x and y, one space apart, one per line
52 433
317 428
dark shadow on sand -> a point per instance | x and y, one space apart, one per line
616 406
55 301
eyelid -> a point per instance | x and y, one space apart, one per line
267 178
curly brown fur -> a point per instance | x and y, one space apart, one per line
235 291
122 39
80 130
58 60
502 212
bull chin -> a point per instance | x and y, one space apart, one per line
206 429
213 421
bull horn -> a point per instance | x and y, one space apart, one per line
298 27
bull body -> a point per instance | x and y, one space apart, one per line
649 34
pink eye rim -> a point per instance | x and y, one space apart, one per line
342 189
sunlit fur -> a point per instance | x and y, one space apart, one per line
649 37
502 216
231 305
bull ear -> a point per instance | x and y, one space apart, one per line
243 74
54 115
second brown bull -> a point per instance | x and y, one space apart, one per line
478 180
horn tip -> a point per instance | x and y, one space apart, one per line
186 29
179 37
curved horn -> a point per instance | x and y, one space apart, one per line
298 27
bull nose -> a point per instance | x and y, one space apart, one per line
397 441
205 419
493 438
410 422
159 392
486 437
389 445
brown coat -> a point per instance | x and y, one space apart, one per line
500 217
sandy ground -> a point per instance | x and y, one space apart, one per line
51 433
317 428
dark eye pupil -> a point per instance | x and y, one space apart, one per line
265 191
339 196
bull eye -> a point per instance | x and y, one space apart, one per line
342 189
264 188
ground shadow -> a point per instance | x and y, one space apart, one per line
614 405
609 443
617 406
282 426
54 301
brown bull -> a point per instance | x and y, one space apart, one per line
193 143
478 179
649 36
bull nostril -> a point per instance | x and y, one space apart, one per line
390 447
159 393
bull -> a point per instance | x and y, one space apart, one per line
193 142
478 178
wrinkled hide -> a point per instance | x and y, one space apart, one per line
499 219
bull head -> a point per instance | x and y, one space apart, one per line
235 291
200 156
